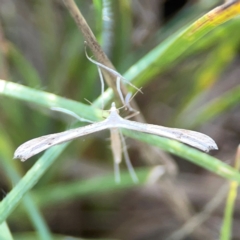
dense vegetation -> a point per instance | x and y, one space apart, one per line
187 65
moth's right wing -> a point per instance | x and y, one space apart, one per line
37 145
192 138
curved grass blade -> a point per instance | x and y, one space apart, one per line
226 231
201 159
24 67
63 192
11 172
48 100
13 198
214 108
5 233
206 76
171 49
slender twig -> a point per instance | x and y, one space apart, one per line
93 44
195 222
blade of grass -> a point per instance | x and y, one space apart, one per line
108 25
13 198
64 192
214 108
122 32
36 218
62 71
170 50
98 19
5 233
182 18
28 73
197 157
31 236
206 76
47 22
217 36
226 231
11 172
18 91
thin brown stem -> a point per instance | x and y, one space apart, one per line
93 45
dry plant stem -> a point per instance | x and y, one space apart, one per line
93 44
182 209
195 222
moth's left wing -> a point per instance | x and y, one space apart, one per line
37 145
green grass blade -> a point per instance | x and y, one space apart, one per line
122 33
24 67
98 20
13 198
108 24
168 51
64 192
195 156
36 218
214 108
206 76
31 236
48 100
226 231
5 233
11 172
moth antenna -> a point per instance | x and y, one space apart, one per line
102 84
114 72
119 90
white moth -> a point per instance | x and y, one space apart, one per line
118 145
114 121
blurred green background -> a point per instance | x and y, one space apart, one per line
187 83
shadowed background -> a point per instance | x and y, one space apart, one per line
41 47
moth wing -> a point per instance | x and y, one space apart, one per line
37 145
192 138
